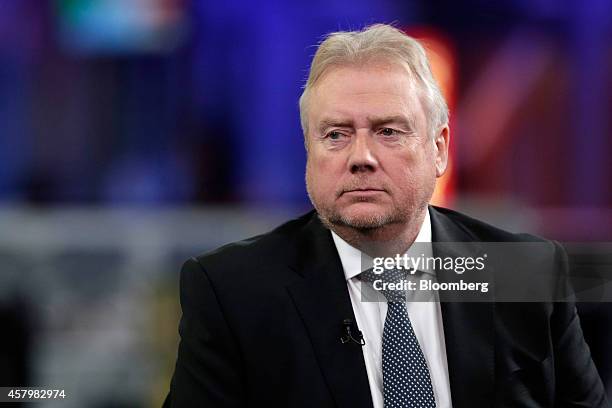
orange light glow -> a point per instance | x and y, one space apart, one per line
441 54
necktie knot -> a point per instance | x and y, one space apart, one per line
389 283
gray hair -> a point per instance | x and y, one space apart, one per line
359 47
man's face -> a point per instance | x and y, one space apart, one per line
371 160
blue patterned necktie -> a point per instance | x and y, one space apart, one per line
406 379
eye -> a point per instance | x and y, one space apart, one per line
388 132
334 135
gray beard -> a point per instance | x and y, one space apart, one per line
361 224
376 235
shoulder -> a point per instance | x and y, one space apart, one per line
453 224
277 246
246 271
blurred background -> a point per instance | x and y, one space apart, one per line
137 133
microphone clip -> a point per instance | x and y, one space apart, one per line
351 333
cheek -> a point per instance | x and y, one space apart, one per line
415 171
324 166
318 176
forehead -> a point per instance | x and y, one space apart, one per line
352 91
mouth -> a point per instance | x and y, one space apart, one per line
363 191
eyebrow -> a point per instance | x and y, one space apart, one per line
408 123
327 123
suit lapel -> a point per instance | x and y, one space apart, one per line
323 302
468 330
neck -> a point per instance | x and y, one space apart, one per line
386 241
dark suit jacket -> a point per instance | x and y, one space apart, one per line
262 321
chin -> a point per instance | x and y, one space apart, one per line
363 217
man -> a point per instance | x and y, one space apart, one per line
274 320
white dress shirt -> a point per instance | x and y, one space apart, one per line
426 319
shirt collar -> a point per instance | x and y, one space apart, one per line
354 261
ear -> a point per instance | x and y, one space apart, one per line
441 140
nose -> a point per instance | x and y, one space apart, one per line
362 158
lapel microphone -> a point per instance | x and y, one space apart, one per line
351 333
